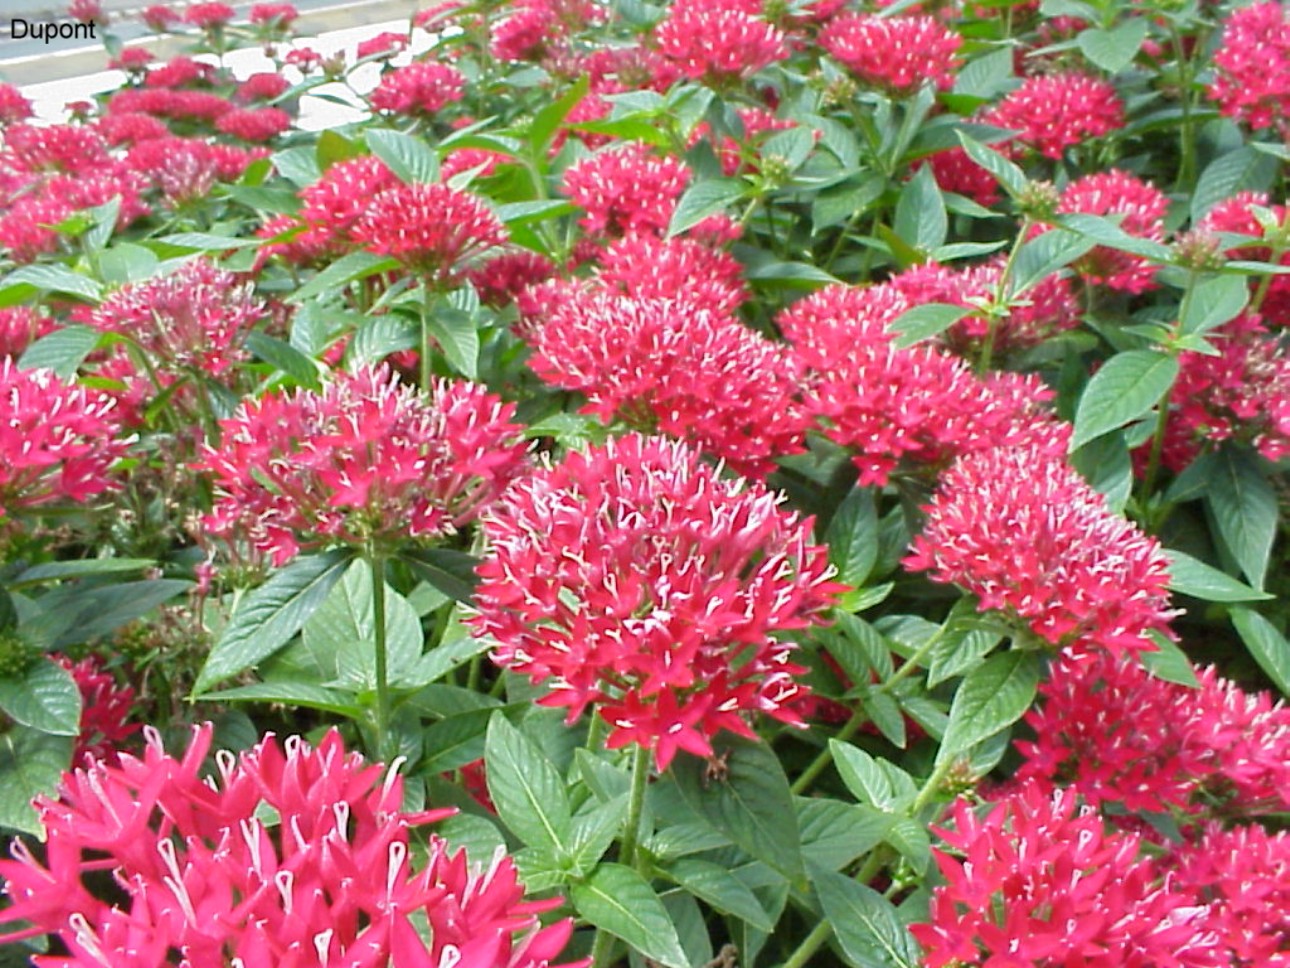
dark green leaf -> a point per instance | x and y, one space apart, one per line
63 350
1214 300
1007 174
1113 50
1039 257
46 698
920 213
1244 507
54 278
272 614
82 568
853 537
1266 644
525 787
286 358
722 890
452 572
1170 663
925 321
1242 169
127 262
703 199
457 333
834 834
987 75
207 242
991 698
865 923
547 121
304 694
1127 387
379 336
878 783
408 156
346 269
1188 576
619 900
31 763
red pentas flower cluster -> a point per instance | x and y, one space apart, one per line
648 266
419 90
636 578
896 54
105 712
1252 67
1245 214
718 42
58 441
677 367
1053 112
1114 733
1019 528
626 189
891 405
1042 882
199 873
365 460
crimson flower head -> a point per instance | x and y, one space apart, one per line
209 16
645 265
58 441
1142 206
275 15
435 231
717 42
1252 67
366 459
160 17
676 367
421 89
105 711
626 189
635 577
1039 881
897 54
1053 112
254 124
200 873
14 106
334 203
1019 528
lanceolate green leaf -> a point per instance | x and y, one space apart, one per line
1127 387
619 900
853 537
525 787
46 698
408 156
865 923
716 886
1244 507
993 696
1188 576
31 762
1266 644
270 616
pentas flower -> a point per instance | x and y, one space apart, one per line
646 266
14 107
892 406
261 86
277 15
626 189
677 367
160 17
57 149
636 578
209 16
1053 112
58 441
896 54
528 34
434 230
333 205
365 460
1039 881
181 71
254 124
200 875
26 229
1143 208
387 43
186 169
1113 732
1241 394
718 43
20 326
1252 67
1020 529
1243 877
501 279
132 60
421 89
105 712
200 106
195 319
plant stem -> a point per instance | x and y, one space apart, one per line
377 564
627 846
915 661
427 304
595 731
821 762
810 944
1162 418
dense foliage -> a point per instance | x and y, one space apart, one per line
698 484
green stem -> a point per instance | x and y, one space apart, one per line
1266 282
426 304
627 846
595 731
1187 131
1001 296
915 661
377 564
1162 418
600 950
821 762
810 944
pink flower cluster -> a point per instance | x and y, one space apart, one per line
634 578
200 873
58 441
626 189
421 89
1053 112
364 460
1252 67
1020 529
719 42
896 54
105 712
676 367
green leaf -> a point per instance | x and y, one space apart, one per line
54 278
63 350
920 219
1188 576
379 336
525 787
307 695
925 321
408 156
1113 50
455 741
1244 507
1007 174
1170 663
547 121
719 888
127 262
834 834
594 831
1266 644
987 75
1243 169
865 923
451 572
208 242
333 147
619 900
457 333
703 199
346 269
272 614
1105 232
46 698
442 659
31 763
1041 256
84 568
991 698
1214 300
286 358
341 633
751 804
852 537
75 613
876 782
1127 387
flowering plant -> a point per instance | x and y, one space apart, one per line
775 484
